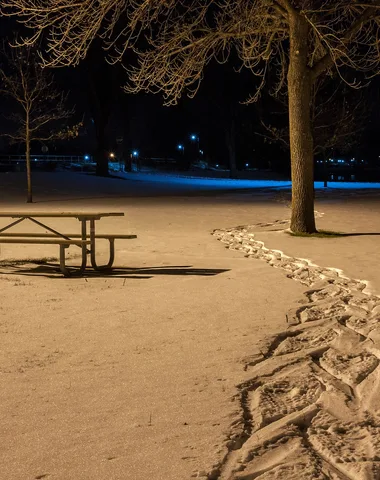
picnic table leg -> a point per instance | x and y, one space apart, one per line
84 247
62 255
93 251
62 263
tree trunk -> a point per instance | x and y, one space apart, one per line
99 95
231 145
325 171
101 159
101 153
28 166
127 161
301 140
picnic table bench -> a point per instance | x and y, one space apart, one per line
84 240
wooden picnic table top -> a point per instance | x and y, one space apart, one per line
89 215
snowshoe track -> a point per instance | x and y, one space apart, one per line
311 409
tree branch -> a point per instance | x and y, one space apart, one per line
32 89
327 60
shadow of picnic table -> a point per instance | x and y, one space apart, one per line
51 270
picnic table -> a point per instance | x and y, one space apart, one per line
85 240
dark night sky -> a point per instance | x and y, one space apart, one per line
155 130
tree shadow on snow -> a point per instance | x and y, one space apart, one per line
358 234
332 234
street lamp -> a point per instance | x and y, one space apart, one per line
195 138
181 148
135 154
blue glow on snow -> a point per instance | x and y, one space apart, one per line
348 185
228 183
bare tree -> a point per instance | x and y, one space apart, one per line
338 115
40 108
338 118
300 40
101 90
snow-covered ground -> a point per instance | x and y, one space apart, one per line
192 360
228 183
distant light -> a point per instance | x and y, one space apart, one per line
193 137
35 160
112 155
87 157
247 164
217 165
135 153
180 147
201 152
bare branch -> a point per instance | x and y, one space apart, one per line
32 89
14 137
335 54
179 38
